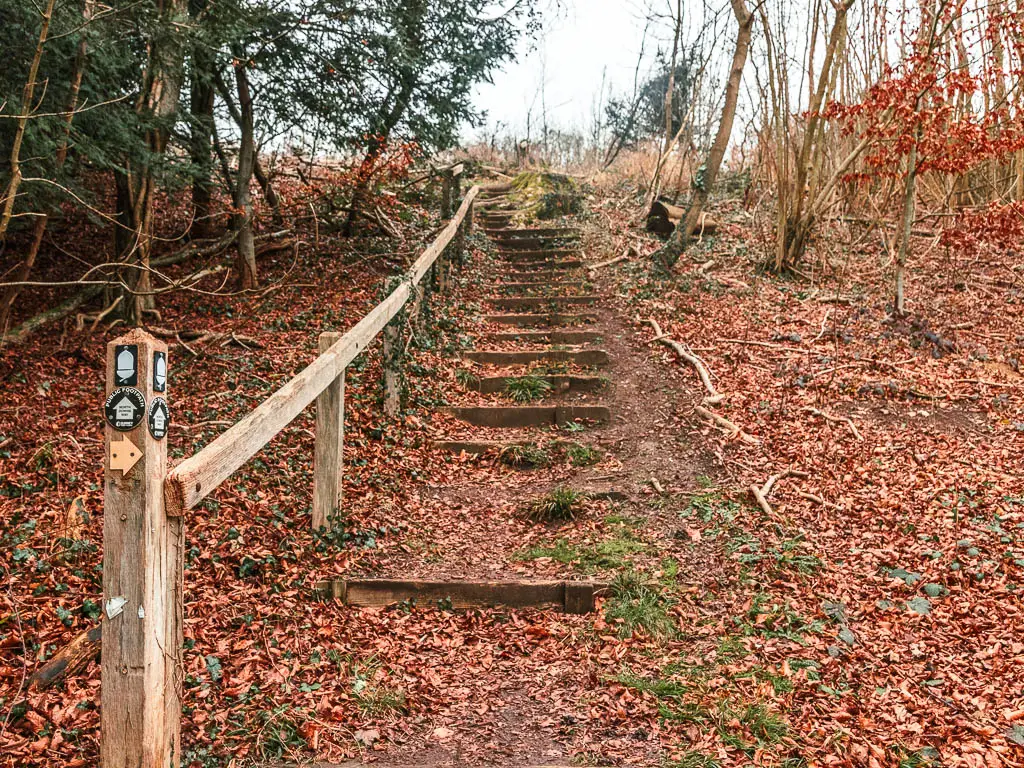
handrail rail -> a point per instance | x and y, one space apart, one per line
196 477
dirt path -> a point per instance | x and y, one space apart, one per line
528 717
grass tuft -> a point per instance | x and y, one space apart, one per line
558 505
524 456
638 605
525 389
582 455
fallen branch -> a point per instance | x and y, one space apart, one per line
761 494
71 659
693 360
835 420
608 263
727 425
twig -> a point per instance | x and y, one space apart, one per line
761 494
693 360
835 420
727 425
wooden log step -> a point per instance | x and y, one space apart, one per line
581 357
575 597
512 234
490 385
546 264
539 288
540 274
529 243
535 302
536 320
547 337
530 415
549 253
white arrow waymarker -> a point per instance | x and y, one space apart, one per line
124 454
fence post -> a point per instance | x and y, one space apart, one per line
456 190
460 244
446 194
328 464
392 353
469 217
142 565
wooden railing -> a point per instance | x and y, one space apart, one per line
144 504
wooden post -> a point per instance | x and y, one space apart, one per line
444 265
446 194
469 217
392 367
460 244
328 462
456 188
142 565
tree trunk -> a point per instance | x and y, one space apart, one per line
909 198
158 101
246 262
11 192
39 229
707 174
201 146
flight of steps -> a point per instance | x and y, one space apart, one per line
541 315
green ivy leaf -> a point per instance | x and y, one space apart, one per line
920 605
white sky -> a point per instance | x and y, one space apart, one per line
576 47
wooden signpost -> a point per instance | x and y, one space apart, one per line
330 437
142 567
145 504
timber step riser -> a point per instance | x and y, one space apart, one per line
543 275
541 253
519 234
545 285
587 357
575 597
559 384
545 264
530 416
548 337
546 321
534 302
533 244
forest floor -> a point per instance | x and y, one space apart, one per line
868 616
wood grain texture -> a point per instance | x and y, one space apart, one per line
530 416
594 357
69 660
142 564
572 597
199 475
328 464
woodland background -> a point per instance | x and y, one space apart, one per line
843 188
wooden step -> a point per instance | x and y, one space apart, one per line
530 415
537 289
547 337
549 253
537 320
529 243
540 302
544 264
517 233
576 597
540 274
490 385
581 357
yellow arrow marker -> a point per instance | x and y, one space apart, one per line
123 455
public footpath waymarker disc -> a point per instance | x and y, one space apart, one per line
159 371
159 418
126 365
125 408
